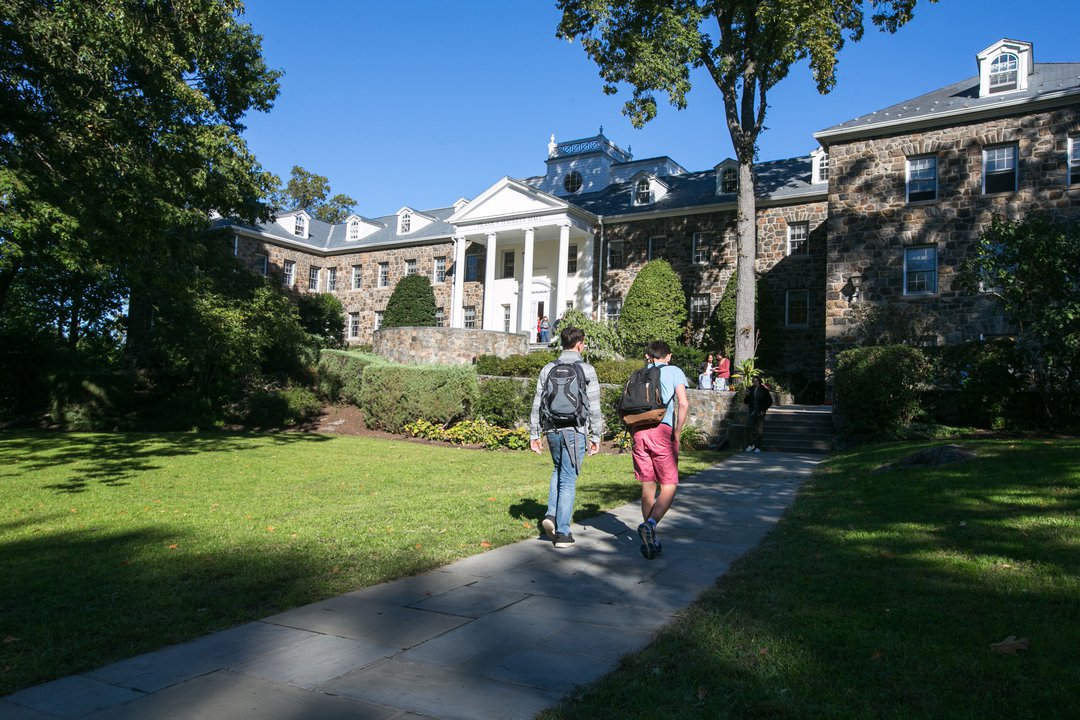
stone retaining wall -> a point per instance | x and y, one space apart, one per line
449 346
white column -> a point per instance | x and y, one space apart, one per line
525 322
490 321
586 273
560 289
457 291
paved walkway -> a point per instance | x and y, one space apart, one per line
503 634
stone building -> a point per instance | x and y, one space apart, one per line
881 213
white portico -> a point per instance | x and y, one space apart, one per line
538 252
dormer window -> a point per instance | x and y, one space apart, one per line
642 192
823 167
1003 72
405 223
729 180
819 162
354 230
300 226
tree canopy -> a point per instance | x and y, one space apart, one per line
746 46
307 191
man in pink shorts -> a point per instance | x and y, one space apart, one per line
656 449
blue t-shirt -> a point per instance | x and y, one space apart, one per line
671 376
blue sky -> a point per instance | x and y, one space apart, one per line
420 102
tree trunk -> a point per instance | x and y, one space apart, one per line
746 230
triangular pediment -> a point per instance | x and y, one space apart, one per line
507 198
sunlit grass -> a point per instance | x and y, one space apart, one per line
879 596
114 544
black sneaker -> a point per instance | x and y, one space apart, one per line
548 526
564 540
649 547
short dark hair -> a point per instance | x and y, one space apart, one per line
571 336
657 349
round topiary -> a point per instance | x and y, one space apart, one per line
412 304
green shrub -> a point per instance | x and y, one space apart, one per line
90 402
654 308
323 317
691 437
877 387
505 402
609 409
984 378
412 304
601 338
273 407
393 395
471 432
339 375
527 365
488 365
616 372
689 359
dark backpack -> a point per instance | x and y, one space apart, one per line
641 404
564 402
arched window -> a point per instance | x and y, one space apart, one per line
729 181
299 228
406 223
1003 72
642 192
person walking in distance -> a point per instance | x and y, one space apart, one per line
656 449
758 400
566 409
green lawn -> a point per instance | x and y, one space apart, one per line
115 544
879 595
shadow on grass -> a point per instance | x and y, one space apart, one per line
114 459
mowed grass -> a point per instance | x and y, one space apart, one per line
116 544
879 596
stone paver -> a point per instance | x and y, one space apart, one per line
504 634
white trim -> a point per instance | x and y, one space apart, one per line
1015 167
907 177
1072 160
919 293
802 224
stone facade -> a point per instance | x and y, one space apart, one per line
447 346
871 222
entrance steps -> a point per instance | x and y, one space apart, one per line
799 428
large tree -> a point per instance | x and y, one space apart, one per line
307 191
747 47
120 128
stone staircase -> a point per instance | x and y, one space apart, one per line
799 428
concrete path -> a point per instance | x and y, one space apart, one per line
504 634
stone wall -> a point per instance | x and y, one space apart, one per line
449 346
870 221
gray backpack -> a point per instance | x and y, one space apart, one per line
563 401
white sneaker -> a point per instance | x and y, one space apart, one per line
757 450
748 448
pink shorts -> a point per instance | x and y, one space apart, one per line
655 456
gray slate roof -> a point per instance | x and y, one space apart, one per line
1047 78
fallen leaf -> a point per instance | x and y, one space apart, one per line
485 544
763 651
493 499
173 546
270 528
1010 645
417 546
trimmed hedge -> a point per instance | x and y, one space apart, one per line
877 387
503 401
340 372
392 396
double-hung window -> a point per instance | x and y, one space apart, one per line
642 192
331 279
702 247
616 257
384 274
356 277
288 273
798 238
999 169
472 268
440 317
797 308
1074 160
354 324
922 178
440 270
920 270
470 317
729 180
1003 72
263 261
378 319
571 260
699 310
612 310
661 246
508 264
410 267
313 278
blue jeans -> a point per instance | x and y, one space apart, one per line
567 451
